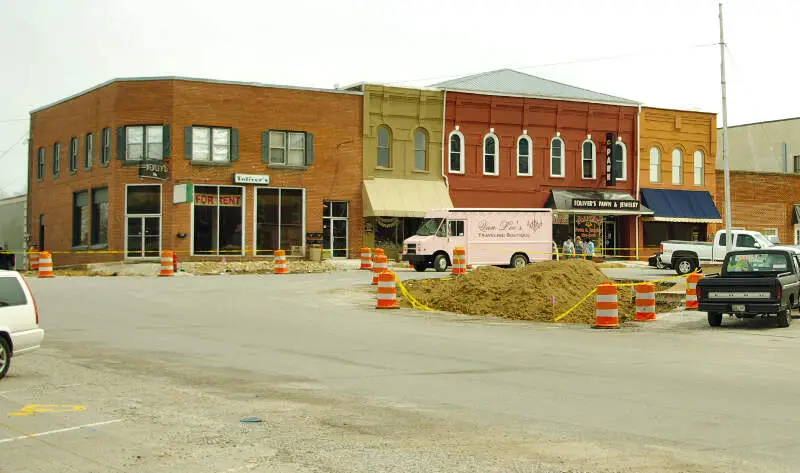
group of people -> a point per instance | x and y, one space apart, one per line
578 248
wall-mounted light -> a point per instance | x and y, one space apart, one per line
458 127
589 136
619 138
491 130
524 132
558 134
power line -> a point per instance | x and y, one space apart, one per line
574 61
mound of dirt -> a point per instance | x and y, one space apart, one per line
524 294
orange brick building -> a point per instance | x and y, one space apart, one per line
677 175
766 202
206 168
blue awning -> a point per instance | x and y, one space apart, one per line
671 205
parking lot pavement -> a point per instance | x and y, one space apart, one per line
341 386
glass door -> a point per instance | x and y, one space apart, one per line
335 228
143 238
610 237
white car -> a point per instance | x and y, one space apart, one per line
19 319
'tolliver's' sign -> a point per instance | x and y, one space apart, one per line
602 204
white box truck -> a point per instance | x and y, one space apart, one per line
498 237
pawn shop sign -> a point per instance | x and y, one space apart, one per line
611 179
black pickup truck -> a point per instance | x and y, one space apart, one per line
751 283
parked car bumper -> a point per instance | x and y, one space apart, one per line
750 307
26 341
417 259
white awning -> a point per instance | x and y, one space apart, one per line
404 197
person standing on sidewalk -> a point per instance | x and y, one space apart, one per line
569 249
579 248
589 250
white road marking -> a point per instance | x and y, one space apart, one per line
51 432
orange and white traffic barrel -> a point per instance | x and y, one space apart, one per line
606 307
366 258
280 262
380 265
459 261
45 265
167 267
387 291
645 302
34 260
691 291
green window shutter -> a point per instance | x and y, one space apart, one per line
167 141
187 142
265 147
121 143
234 144
309 149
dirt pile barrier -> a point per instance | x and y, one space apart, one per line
538 291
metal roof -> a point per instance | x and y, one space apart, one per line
515 83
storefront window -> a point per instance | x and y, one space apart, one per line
80 218
218 220
100 216
279 219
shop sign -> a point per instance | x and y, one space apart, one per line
560 218
154 171
262 179
213 200
588 227
611 178
603 204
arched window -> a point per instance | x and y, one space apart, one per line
620 161
491 160
524 156
456 162
677 166
556 157
699 168
655 164
384 147
588 159
420 150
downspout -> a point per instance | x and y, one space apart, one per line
28 187
638 172
444 140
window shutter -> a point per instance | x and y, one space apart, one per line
167 141
265 147
121 142
309 149
234 144
187 142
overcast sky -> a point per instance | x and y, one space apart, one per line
54 48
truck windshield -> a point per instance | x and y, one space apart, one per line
429 226
758 263
763 241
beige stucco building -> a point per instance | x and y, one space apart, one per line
772 146
402 166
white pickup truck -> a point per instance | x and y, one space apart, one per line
686 256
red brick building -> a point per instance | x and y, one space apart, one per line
515 140
206 168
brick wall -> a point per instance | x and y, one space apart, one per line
760 201
334 118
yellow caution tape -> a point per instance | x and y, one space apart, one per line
407 295
575 306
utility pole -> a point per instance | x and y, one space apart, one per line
726 166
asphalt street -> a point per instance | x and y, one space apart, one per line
673 395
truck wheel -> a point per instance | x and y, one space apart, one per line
420 267
685 266
5 357
714 319
784 318
518 261
440 263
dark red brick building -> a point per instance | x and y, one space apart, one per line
515 140
205 168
